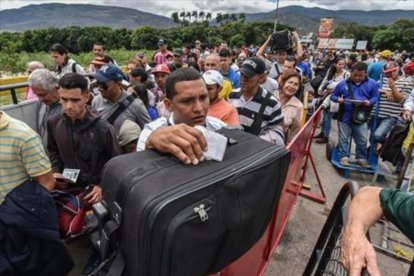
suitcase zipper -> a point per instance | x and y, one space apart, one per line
149 217
188 214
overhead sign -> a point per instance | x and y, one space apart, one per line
327 43
361 45
335 43
325 27
344 43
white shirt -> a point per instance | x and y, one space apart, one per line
212 123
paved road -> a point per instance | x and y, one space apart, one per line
308 218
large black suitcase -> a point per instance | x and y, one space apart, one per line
181 219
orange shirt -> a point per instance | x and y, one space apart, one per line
225 112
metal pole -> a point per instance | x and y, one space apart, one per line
277 9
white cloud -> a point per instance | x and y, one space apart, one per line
166 7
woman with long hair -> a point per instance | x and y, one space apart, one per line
64 64
336 73
292 107
140 91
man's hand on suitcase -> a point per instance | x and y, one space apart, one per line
94 196
184 142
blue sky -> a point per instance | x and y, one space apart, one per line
166 7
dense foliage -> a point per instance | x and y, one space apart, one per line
16 49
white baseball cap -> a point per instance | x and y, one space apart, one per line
213 77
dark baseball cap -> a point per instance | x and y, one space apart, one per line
109 72
162 41
252 66
178 52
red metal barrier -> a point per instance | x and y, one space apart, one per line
255 261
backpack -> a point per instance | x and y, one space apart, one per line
281 40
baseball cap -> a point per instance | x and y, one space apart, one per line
391 66
178 52
162 41
386 53
213 77
409 68
128 132
109 72
161 68
252 66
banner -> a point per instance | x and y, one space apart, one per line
325 27
344 43
361 45
336 43
327 43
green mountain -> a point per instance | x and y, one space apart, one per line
63 15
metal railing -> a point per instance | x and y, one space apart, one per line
12 88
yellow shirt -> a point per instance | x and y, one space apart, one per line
227 88
22 155
410 137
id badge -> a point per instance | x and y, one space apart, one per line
71 174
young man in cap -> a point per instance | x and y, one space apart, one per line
114 103
161 73
161 56
375 68
219 108
259 111
393 93
178 58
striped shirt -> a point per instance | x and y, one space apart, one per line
271 127
22 154
391 108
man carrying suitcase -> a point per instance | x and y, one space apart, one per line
187 99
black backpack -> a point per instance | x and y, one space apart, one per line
282 40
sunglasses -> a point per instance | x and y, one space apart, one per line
102 85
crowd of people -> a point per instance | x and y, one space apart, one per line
86 117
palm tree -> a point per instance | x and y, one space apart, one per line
182 15
175 17
242 17
209 16
225 19
233 17
188 14
201 15
195 15
219 18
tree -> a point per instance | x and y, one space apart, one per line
202 15
242 17
188 15
195 15
386 39
175 17
237 41
209 16
219 18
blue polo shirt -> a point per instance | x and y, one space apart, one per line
375 70
233 77
366 90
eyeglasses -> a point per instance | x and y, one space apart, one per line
102 85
